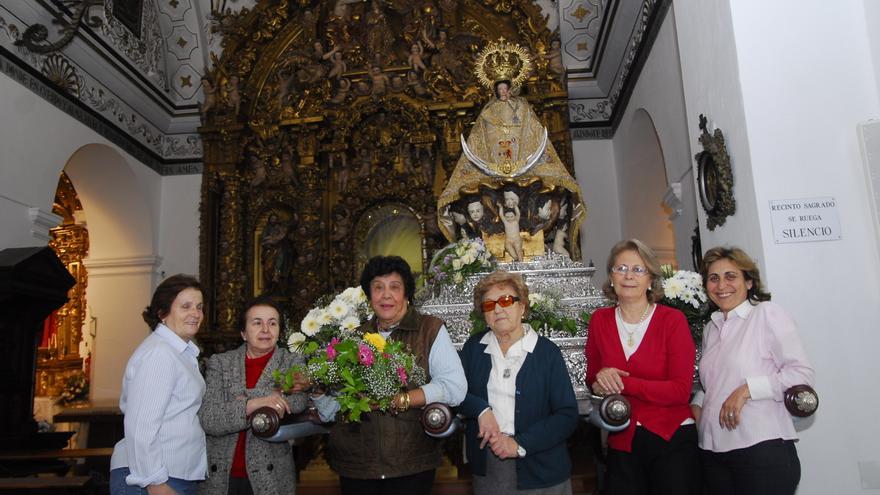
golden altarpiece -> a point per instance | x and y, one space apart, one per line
325 120
58 357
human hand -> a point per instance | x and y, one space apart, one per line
301 383
274 400
504 447
697 411
731 409
163 489
609 381
489 430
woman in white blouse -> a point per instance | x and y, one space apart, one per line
520 407
163 450
751 354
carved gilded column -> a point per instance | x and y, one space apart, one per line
311 239
222 270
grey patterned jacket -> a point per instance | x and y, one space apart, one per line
269 465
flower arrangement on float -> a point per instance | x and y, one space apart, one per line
545 315
451 264
683 290
76 388
364 372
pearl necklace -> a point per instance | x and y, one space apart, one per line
630 328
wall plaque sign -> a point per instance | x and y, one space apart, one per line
805 220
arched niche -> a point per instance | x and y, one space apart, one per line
119 202
391 229
642 184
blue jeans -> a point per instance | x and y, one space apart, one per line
118 486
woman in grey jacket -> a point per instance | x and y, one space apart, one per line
238 383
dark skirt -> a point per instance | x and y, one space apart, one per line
500 479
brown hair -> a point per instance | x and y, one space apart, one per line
164 296
741 260
655 290
241 321
501 277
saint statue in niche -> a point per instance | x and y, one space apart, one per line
276 254
508 155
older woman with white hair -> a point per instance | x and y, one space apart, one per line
520 407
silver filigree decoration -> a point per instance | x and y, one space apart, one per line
549 273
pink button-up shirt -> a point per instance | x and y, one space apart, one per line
758 345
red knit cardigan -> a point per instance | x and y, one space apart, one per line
660 371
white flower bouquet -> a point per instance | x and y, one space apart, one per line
364 372
683 290
335 317
458 260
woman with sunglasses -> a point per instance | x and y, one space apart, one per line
520 406
644 351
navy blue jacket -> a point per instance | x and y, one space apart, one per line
546 412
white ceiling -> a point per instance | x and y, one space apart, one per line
148 86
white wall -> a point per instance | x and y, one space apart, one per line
596 173
789 105
658 92
125 205
179 219
641 185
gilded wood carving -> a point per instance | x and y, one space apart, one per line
320 111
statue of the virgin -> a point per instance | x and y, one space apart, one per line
508 151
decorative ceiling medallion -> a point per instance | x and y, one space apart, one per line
714 177
62 73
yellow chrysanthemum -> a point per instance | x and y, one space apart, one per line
377 340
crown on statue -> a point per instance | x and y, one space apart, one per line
503 61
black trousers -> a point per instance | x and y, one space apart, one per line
770 468
240 486
655 466
415 484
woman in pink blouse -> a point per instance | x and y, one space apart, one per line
751 354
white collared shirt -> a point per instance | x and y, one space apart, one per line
161 394
757 345
501 388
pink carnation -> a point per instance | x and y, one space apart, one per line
331 350
365 355
401 373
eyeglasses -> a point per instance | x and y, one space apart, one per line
503 301
635 270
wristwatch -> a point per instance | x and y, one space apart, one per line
520 451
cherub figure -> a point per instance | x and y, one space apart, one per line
210 96
380 82
339 67
341 91
233 96
554 58
559 240
415 57
414 82
510 218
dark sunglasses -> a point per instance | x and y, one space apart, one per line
503 301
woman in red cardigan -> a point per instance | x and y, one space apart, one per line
644 351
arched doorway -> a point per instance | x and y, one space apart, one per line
642 184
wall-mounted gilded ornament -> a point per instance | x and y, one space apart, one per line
714 177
